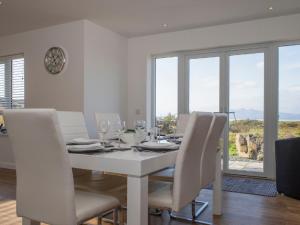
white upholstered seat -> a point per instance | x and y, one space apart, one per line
45 186
160 194
88 205
163 197
208 161
72 125
181 123
186 184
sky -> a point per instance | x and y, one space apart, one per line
246 82
289 79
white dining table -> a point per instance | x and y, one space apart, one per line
138 166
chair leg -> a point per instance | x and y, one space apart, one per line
193 209
115 216
122 216
195 213
26 221
99 220
149 216
155 212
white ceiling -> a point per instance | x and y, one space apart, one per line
137 17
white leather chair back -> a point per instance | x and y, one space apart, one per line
72 125
181 123
45 187
113 118
187 168
208 165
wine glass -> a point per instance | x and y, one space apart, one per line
103 127
121 129
140 130
140 124
173 130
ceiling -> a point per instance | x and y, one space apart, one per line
137 17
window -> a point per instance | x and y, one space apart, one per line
240 81
12 82
204 78
289 91
166 92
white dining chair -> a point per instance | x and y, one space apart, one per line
72 125
181 123
167 173
208 164
45 186
186 186
113 118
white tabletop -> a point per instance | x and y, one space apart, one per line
138 165
130 162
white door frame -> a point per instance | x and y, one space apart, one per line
271 91
226 108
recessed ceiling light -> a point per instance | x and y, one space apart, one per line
1 3
271 8
164 25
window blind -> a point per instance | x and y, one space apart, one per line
12 82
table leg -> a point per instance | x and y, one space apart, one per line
26 221
137 200
217 187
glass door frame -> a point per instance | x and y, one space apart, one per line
270 99
187 59
269 160
271 76
224 90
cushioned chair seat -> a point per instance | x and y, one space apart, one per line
88 205
160 194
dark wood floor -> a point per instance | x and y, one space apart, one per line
239 209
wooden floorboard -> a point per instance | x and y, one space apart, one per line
239 209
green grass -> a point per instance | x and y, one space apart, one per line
255 127
286 129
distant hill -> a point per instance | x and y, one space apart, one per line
244 114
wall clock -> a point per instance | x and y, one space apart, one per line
55 60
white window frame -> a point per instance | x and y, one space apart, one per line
271 91
11 58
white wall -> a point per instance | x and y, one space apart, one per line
64 91
95 78
105 81
140 50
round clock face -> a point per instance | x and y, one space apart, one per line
55 60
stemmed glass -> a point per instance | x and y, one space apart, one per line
140 125
159 128
140 130
121 129
103 127
173 130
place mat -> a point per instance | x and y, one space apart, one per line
85 148
82 141
158 145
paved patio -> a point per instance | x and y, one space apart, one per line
246 165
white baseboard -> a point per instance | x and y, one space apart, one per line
7 165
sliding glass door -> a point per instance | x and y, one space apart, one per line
204 80
246 112
289 92
166 93
257 86
233 81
